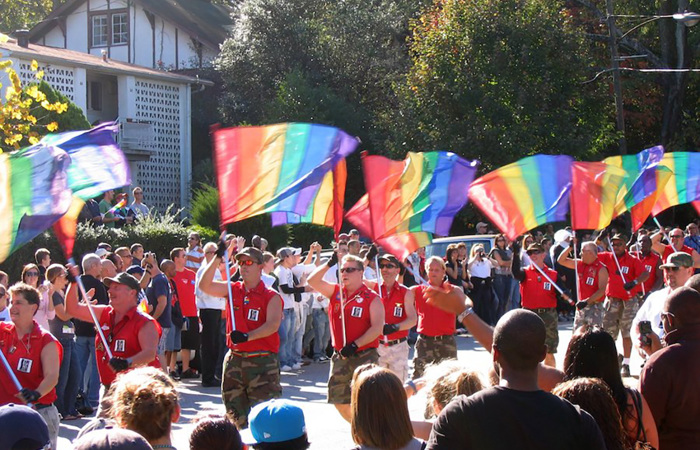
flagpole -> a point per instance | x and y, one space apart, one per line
10 372
664 233
81 286
379 284
558 289
342 303
578 282
617 263
228 283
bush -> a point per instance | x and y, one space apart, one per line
158 233
304 234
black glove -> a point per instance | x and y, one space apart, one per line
29 395
349 350
238 336
69 276
372 252
630 285
390 328
221 249
119 364
516 246
581 304
333 261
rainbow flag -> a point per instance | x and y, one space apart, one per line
274 168
97 164
684 184
595 190
34 193
420 194
327 205
640 182
400 245
640 212
525 194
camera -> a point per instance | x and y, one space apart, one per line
644 332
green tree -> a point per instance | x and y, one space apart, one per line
24 14
498 80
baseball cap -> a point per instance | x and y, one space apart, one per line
101 252
123 278
354 231
619 237
112 439
391 258
678 259
562 235
22 423
275 420
285 252
253 253
534 247
481 224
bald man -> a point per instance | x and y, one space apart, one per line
670 376
677 244
515 414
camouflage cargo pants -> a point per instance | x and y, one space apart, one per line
248 380
590 315
395 358
619 315
431 350
551 323
342 370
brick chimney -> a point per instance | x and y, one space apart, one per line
22 38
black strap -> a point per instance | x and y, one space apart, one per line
637 400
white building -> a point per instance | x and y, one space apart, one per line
152 105
161 34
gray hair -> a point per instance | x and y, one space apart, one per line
591 244
90 261
210 246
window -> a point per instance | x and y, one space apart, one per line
109 28
120 29
99 31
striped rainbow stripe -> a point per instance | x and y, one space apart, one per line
641 176
525 194
274 168
684 184
595 189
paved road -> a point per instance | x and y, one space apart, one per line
325 427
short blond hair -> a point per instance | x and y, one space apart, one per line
353 258
435 259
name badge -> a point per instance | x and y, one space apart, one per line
547 286
648 268
67 329
398 311
625 269
253 315
356 311
590 280
24 365
120 345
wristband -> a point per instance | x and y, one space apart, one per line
463 315
411 385
129 361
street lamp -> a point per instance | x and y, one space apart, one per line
687 18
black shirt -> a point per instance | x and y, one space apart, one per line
87 328
501 418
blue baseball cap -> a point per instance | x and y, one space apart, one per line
275 420
18 422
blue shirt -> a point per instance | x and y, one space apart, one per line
159 286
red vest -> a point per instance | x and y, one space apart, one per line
588 278
669 250
649 262
250 311
432 321
394 309
536 291
357 317
123 339
25 360
630 266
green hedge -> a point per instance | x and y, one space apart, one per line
158 233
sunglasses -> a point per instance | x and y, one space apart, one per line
32 274
349 270
677 236
387 266
534 252
248 262
191 238
672 269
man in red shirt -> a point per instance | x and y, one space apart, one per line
132 335
399 317
626 273
677 238
356 319
538 294
251 372
436 328
34 356
652 264
185 282
592 282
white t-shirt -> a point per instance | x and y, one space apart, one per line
269 280
140 209
196 252
206 301
332 275
369 274
481 269
5 315
651 311
286 277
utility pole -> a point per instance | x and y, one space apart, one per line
617 84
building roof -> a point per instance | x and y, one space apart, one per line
109 66
203 20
